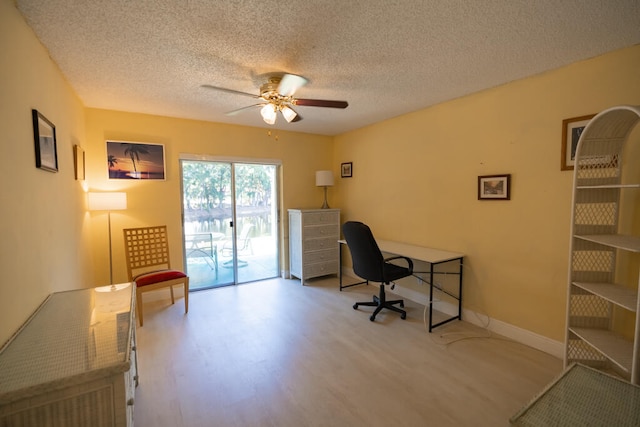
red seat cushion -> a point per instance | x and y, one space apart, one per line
158 276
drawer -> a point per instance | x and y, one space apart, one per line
316 231
318 244
319 218
321 269
321 256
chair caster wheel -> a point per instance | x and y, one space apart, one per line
355 306
372 318
403 316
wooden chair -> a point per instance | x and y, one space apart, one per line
148 264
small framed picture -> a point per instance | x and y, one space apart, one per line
346 170
78 162
494 187
135 160
44 137
571 130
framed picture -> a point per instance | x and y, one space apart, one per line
346 170
571 130
135 160
78 162
494 187
44 137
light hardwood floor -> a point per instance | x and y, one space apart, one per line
275 353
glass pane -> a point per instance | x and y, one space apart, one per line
208 212
256 234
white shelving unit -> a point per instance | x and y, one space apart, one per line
603 313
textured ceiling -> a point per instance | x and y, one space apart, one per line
385 57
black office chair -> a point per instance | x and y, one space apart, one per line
369 264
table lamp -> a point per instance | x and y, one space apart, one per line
324 179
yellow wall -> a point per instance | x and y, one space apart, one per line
44 247
415 180
159 202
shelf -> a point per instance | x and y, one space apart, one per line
620 241
601 187
612 346
617 294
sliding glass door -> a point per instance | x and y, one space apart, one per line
230 222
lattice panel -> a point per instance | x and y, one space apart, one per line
596 213
580 351
146 247
599 159
592 260
589 311
599 167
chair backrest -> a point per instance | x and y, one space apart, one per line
146 250
244 234
367 259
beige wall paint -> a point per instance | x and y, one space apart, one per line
44 245
415 180
158 202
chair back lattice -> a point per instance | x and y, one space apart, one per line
146 249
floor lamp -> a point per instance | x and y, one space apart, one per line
324 179
108 202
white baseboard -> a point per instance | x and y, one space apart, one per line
526 337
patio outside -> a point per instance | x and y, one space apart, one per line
208 212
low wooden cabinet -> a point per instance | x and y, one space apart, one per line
73 363
313 242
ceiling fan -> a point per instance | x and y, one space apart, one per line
277 95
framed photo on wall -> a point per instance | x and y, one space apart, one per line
346 170
571 130
135 160
78 162
494 187
44 137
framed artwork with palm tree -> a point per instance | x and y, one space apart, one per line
135 160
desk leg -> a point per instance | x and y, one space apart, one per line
340 266
460 292
340 273
430 297
458 297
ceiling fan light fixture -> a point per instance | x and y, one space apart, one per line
288 113
268 113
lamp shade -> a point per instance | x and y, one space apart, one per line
268 113
324 178
114 201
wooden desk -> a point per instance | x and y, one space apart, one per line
433 257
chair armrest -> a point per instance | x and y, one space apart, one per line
408 260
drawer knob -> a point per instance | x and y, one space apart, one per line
130 402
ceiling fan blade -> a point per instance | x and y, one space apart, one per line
223 89
239 110
320 103
290 83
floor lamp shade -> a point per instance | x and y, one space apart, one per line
114 201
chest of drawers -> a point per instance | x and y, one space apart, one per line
313 242
73 363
